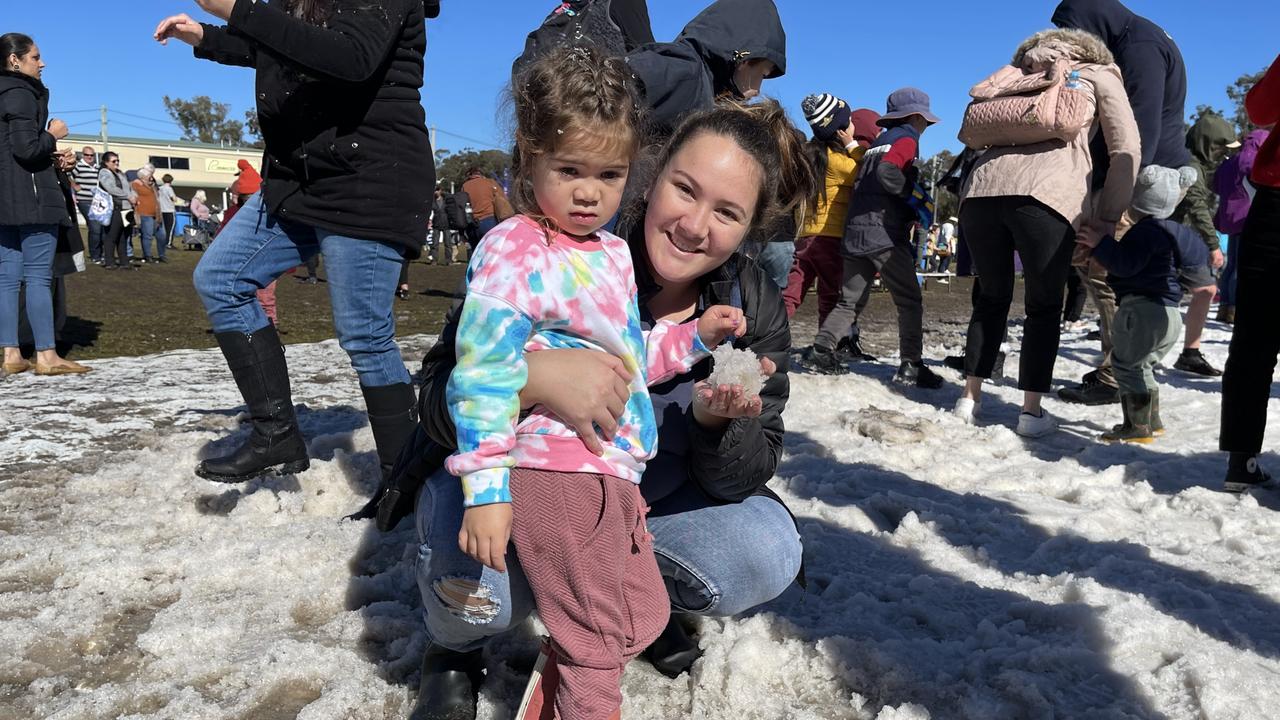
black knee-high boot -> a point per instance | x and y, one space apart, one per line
276 445
392 417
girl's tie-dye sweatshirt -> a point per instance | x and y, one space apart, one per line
523 295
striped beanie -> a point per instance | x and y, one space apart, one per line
826 114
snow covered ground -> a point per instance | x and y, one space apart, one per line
971 574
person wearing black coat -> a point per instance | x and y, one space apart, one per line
348 173
1155 78
442 234
32 206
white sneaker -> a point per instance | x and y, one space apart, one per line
1031 426
967 410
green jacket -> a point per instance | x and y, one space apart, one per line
1207 141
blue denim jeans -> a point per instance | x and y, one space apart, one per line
776 259
26 256
716 560
95 231
256 248
152 228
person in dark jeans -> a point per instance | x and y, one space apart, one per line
1246 385
1255 342
1030 199
995 229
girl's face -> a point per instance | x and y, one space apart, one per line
30 64
700 208
580 188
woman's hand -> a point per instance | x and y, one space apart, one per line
486 530
181 27
220 9
57 129
587 389
714 406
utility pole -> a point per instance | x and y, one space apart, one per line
106 145
433 139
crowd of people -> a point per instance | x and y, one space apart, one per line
623 502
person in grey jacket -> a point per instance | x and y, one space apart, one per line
114 182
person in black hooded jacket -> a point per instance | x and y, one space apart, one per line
730 48
32 206
347 173
1155 79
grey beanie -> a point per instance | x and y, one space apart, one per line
1160 189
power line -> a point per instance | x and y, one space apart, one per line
86 122
73 112
139 127
144 117
484 143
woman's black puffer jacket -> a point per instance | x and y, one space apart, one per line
29 192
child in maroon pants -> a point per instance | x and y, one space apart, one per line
551 277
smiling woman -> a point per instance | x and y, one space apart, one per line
722 541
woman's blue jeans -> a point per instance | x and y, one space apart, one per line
152 229
717 560
256 248
26 257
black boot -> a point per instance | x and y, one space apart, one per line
1091 391
674 652
258 365
450 682
918 374
392 417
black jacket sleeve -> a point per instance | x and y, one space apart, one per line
350 47
32 146
225 47
632 18
1144 81
674 80
733 464
433 410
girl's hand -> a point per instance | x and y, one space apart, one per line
584 388
720 322
845 136
714 406
486 530
220 9
181 27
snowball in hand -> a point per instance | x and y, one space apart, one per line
736 367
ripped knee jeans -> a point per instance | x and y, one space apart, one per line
464 603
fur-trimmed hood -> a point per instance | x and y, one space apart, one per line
1046 46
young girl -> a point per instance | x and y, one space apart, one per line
841 137
551 278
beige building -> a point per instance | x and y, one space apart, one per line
193 165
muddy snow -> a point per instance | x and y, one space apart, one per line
953 571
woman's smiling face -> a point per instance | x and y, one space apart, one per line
700 208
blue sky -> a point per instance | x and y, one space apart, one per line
102 53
